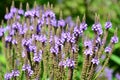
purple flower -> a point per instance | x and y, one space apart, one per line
35 13
8 76
73 39
15 73
30 72
68 36
97 28
1 32
43 38
76 31
70 63
95 61
108 25
13 10
28 14
69 21
108 49
14 42
83 26
88 43
38 56
32 48
61 23
53 22
117 76
8 16
54 50
26 67
49 13
20 11
8 39
23 29
62 63
88 51
108 73
16 26
114 39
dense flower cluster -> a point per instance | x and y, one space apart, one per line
40 39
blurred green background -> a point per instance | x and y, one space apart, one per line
76 8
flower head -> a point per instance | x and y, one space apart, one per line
8 76
15 73
108 49
95 61
114 39
97 28
108 25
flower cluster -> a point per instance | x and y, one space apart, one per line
40 39
14 73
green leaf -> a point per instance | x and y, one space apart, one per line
115 59
2 59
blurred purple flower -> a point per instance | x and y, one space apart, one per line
97 28
108 49
88 51
13 10
15 73
8 76
20 11
83 26
114 39
108 25
8 16
117 76
61 23
38 56
70 63
50 14
108 73
95 61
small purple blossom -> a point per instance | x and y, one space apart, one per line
38 56
83 26
15 73
97 28
117 76
8 38
114 39
88 43
13 10
70 63
62 63
108 72
88 51
8 16
43 38
28 14
14 41
8 76
26 67
20 11
1 32
50 14
108 25
108 49
54 50
95 61
61 23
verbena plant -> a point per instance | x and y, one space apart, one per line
37 46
